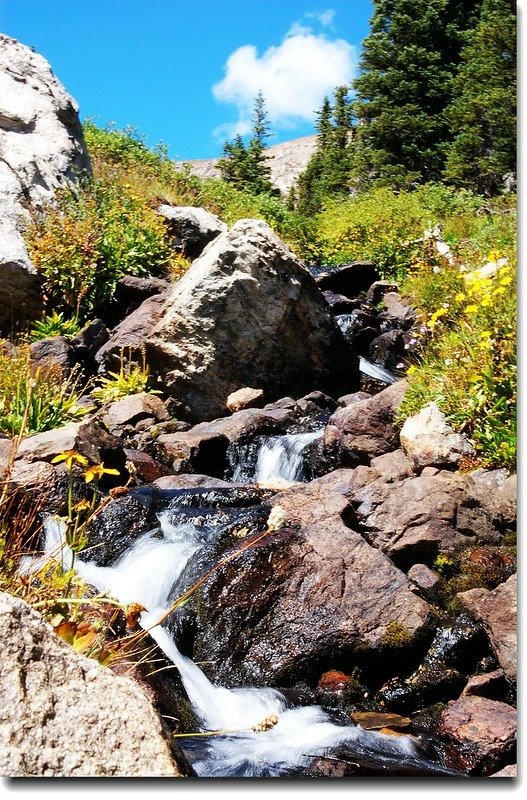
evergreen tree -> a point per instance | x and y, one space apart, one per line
326 174
483 112
408 63
246 166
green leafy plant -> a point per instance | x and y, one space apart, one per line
54 324
132 378
35 399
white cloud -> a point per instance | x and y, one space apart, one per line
324 17
293 76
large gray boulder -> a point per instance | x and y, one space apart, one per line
41 148
248 313
191 228
64 715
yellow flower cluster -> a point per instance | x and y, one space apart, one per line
436 316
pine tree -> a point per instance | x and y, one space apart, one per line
483 112
327 172
246 166
408 63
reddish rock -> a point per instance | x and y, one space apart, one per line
147 468
333 680
132 408
424 577
491 685
482 731
365 429
496 609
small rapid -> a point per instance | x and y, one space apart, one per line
285 457
262 733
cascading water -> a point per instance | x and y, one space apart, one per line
147 574
277 457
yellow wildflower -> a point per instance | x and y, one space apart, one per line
459 297
97 471
506 281
471 309
69 456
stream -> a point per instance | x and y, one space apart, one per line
263 733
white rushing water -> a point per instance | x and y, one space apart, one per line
278 457
146 574
374 371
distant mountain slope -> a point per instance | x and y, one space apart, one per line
288 160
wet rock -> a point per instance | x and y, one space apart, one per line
349 280
56 351
483 733
428 440
452 654
365 429
315 402
340 304
424 577
190 481
492 685
377 291
245 398
496 610
41 148
191 228
127 340
131 409
388 350
115 529
311 594
247 312
375 720
64 715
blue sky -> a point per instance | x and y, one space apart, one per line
185 72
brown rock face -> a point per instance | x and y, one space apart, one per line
247 313
365 429
128 338
496 609
483 731
304 596
64 715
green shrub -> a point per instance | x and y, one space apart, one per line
132 378
35 399
89 237
54 324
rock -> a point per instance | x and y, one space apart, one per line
375 720
193 451
247 312
56 351
128 338
190 481
88 342
397 311
413 519
377 291
483 732
89 438
365 429
496 491
132 408
424 577
491 684
496 610
428 440
191 228
392 467
388 350
245 398
349 280
147 469
41 148
64 715
315 402
312 592
510 771
354 397
340 304
131 291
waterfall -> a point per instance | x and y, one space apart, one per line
276 457
374 371
147 574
